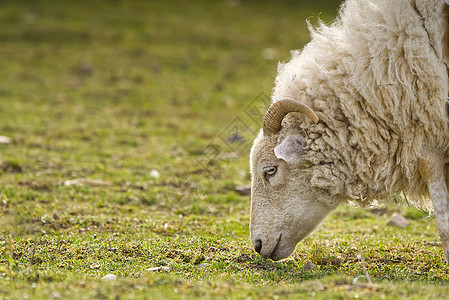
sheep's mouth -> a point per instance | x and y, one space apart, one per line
275 248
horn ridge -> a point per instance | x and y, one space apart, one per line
278 110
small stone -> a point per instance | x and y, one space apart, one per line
86 181
379 211
5 140
397 220
109 277
202 265
155 174
243 190
309 266
155 269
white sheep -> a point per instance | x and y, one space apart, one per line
361 113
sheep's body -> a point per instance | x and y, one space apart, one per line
378 80
376 84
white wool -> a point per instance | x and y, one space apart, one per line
378 80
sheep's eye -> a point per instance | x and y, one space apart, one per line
269 172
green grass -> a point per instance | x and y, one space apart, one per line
113 90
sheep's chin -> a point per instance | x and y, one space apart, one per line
282 252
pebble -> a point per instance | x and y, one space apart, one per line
4 140
243 190
158 269
155 174
86 181
309 266
202 265
109 277
397 220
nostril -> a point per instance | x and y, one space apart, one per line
258 246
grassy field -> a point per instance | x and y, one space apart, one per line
130 126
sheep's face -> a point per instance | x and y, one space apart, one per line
285 208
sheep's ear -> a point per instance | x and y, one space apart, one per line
291 148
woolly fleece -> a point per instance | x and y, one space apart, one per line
378 80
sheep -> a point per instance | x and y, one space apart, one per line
360 113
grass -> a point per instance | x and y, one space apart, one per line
154 104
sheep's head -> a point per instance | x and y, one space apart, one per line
285 207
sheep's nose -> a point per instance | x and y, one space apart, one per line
258 246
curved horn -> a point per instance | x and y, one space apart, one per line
278 110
